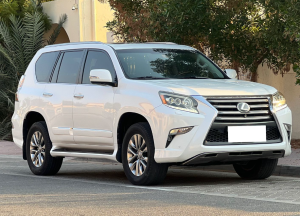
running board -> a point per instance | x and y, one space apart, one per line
66 153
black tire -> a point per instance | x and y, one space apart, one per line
154 173
51 165
258 169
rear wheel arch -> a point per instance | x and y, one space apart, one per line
125 121
30 118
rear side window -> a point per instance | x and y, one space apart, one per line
97 60
44 66
70 67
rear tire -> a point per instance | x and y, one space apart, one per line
38 147
258 169
138 157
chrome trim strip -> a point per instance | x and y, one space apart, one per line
250 112
243 119
59 153
259 106
235 96
251 106
225 106
238 100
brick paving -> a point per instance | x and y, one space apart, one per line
9 148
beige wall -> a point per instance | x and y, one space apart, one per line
285 85
58 7
85 23
62 37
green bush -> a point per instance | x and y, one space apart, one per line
20 38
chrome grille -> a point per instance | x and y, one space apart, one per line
228 112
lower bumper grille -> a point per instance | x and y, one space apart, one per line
221 135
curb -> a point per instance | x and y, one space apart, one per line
281 170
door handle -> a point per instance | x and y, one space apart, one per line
47 94
78 96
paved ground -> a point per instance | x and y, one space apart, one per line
86 188
83 188
9 148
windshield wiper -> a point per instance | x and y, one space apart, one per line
149 77
193 77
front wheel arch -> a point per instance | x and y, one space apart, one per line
125 121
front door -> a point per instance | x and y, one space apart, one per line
93 106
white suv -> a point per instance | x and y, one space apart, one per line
147 106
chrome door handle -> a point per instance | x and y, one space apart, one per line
47 94
78 96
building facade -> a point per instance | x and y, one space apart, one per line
86 20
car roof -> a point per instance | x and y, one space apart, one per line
118 46
164 45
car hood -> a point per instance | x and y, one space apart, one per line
213 87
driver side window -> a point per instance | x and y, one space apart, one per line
97 60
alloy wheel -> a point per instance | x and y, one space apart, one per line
137 155
37 149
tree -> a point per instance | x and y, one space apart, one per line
21 38
291 13
19 8
245 32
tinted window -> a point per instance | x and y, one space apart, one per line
167 64
97 60
69 67
55 73
44 66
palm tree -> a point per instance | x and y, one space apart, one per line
20 39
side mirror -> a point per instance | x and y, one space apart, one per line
231 73
101 76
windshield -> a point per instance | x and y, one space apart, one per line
167 64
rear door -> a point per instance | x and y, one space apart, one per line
93 111
58 96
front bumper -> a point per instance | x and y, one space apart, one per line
187 146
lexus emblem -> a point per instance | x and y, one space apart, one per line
243 107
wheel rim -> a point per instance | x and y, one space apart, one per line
137 155
37 149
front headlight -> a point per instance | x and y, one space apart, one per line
181 102
278 101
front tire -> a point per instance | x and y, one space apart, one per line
38 147
258 169
138 157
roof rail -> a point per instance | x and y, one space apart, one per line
74 43
161 43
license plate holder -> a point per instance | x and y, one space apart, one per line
248 134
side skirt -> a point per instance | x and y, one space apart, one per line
111 155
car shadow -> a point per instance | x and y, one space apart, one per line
113 173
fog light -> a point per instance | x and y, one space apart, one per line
178 131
